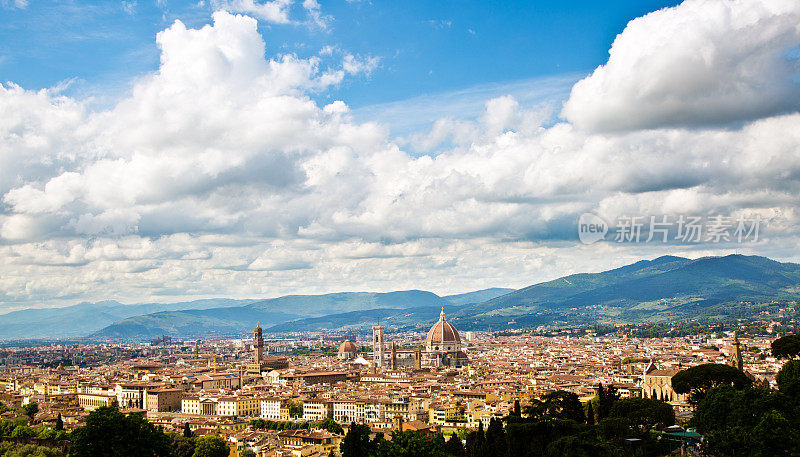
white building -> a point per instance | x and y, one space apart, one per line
271 408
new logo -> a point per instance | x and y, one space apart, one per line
591 228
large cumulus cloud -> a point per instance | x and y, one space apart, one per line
219 175
704 62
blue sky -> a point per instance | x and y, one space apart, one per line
424 47
266 147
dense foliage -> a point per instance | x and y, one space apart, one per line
696 381
789 379
108 432
752 421
11 449
325 424
554 426
643 414
211 446
786 347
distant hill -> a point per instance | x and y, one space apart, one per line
230 321
394 320
478 296
667 288
84 318
321 305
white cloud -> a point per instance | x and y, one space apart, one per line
355 65
129 7
704 62
21 4
275 11
219 175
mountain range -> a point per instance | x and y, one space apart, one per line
84 318
227 321
663 289
668 288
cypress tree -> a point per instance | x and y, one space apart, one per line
480 438
590 414
469 447
601 401
453 447
495 444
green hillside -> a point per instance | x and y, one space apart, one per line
667 288
85 318
362 321
233 321
664 289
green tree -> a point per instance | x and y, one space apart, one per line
30 410
532 438
454 447
786 347
696 381
59 423
728 442
517 410
726 408
411 444
109 433
789 379
577 446
330 425
644 413
258 423
8 425
605 399
564 405
295 409
45 433
475 442
614 429
774 435
589 414
23 431
210 446
470 444
247 453
187 431
759 421
356 442
495 444
11 449
182 446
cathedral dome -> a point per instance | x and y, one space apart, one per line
442 333
347 347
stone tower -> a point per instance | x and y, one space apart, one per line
736 355
378 346
258 345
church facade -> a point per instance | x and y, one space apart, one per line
441 348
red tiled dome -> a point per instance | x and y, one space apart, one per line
442 332
347 346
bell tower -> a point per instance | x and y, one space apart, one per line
377 345
736 354
258 345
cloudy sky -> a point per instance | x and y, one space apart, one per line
158 151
